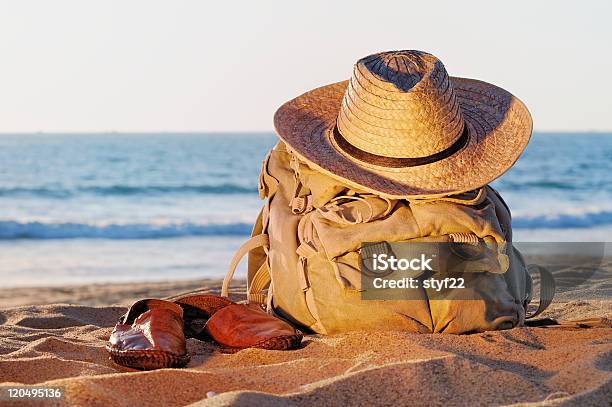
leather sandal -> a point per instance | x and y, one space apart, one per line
235 326
152 333
240 326
197 310
149 336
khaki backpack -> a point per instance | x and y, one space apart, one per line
304 266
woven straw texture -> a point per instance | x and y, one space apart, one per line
402 105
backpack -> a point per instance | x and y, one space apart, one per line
304 264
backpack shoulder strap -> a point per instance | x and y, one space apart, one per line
260 281
547 289
254 242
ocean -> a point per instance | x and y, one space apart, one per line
97 208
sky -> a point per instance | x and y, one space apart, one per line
137 66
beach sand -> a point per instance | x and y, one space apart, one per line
62 345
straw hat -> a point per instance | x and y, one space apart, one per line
402 128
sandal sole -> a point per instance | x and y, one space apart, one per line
287 342
147 359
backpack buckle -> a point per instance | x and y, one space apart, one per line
301 204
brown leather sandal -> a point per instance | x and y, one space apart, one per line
149 336
240 326
235 326
152 333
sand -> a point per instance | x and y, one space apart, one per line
62 345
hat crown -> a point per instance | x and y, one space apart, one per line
400 104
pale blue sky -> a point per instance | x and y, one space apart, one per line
227 65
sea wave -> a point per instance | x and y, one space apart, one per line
119 190
10 230
564 220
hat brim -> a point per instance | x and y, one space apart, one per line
499 126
